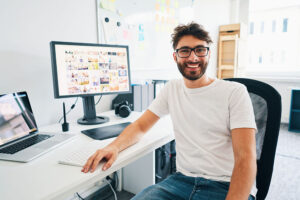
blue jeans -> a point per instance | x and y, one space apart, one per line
179 186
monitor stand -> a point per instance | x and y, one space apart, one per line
89 117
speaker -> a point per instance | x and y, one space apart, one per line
122 109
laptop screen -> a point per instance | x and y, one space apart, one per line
16 117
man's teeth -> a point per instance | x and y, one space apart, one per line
193 65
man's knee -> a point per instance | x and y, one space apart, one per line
144 193
153 192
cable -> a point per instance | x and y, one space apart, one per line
72 107
116 177
116 198
98 100
79 196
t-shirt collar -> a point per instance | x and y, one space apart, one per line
198 90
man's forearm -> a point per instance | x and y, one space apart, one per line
243 176
128 137
133 133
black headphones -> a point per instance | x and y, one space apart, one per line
123 109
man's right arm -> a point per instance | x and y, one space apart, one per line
130 135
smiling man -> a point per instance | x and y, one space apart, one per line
214 129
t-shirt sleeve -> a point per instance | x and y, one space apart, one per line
241 112
159 105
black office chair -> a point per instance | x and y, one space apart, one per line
267 110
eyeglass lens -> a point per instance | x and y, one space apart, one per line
186 52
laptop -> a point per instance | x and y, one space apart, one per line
20 139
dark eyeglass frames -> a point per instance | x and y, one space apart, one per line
186 52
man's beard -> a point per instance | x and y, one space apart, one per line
192 75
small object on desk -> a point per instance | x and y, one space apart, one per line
123 109
65 125
106 132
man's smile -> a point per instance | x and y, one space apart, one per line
192 66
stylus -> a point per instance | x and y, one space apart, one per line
65 125
64 111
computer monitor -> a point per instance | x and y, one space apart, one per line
85 70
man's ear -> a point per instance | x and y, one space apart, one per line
175 56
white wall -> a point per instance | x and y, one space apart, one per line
282 75
27 27
211 14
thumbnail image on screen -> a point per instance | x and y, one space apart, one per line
83 69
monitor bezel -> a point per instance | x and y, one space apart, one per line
55 75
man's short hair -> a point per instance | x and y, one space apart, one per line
193 29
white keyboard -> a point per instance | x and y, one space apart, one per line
81 155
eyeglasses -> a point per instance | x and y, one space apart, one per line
185 52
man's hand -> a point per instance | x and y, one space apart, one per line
108 153
130 135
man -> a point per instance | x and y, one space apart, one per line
214 129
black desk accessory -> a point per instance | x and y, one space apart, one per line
105 132
65 125
123 109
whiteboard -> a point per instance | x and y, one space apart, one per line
145 26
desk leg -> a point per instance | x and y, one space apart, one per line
139 174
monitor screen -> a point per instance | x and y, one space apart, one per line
81 69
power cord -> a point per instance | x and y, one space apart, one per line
111 187
72 107
98 100
79 196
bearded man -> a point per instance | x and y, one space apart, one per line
214 129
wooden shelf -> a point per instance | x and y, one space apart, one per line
227 54
228 67
232 50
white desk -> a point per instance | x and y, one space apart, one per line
44 178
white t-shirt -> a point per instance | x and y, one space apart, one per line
202 120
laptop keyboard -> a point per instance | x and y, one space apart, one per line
24 144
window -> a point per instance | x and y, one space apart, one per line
273 39
274 26
285 25
262 27
260 59
251 28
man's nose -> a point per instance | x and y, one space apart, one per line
193 57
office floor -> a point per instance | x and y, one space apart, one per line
123 195
285 182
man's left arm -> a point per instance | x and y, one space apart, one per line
244 171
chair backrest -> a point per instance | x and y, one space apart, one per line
267 110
